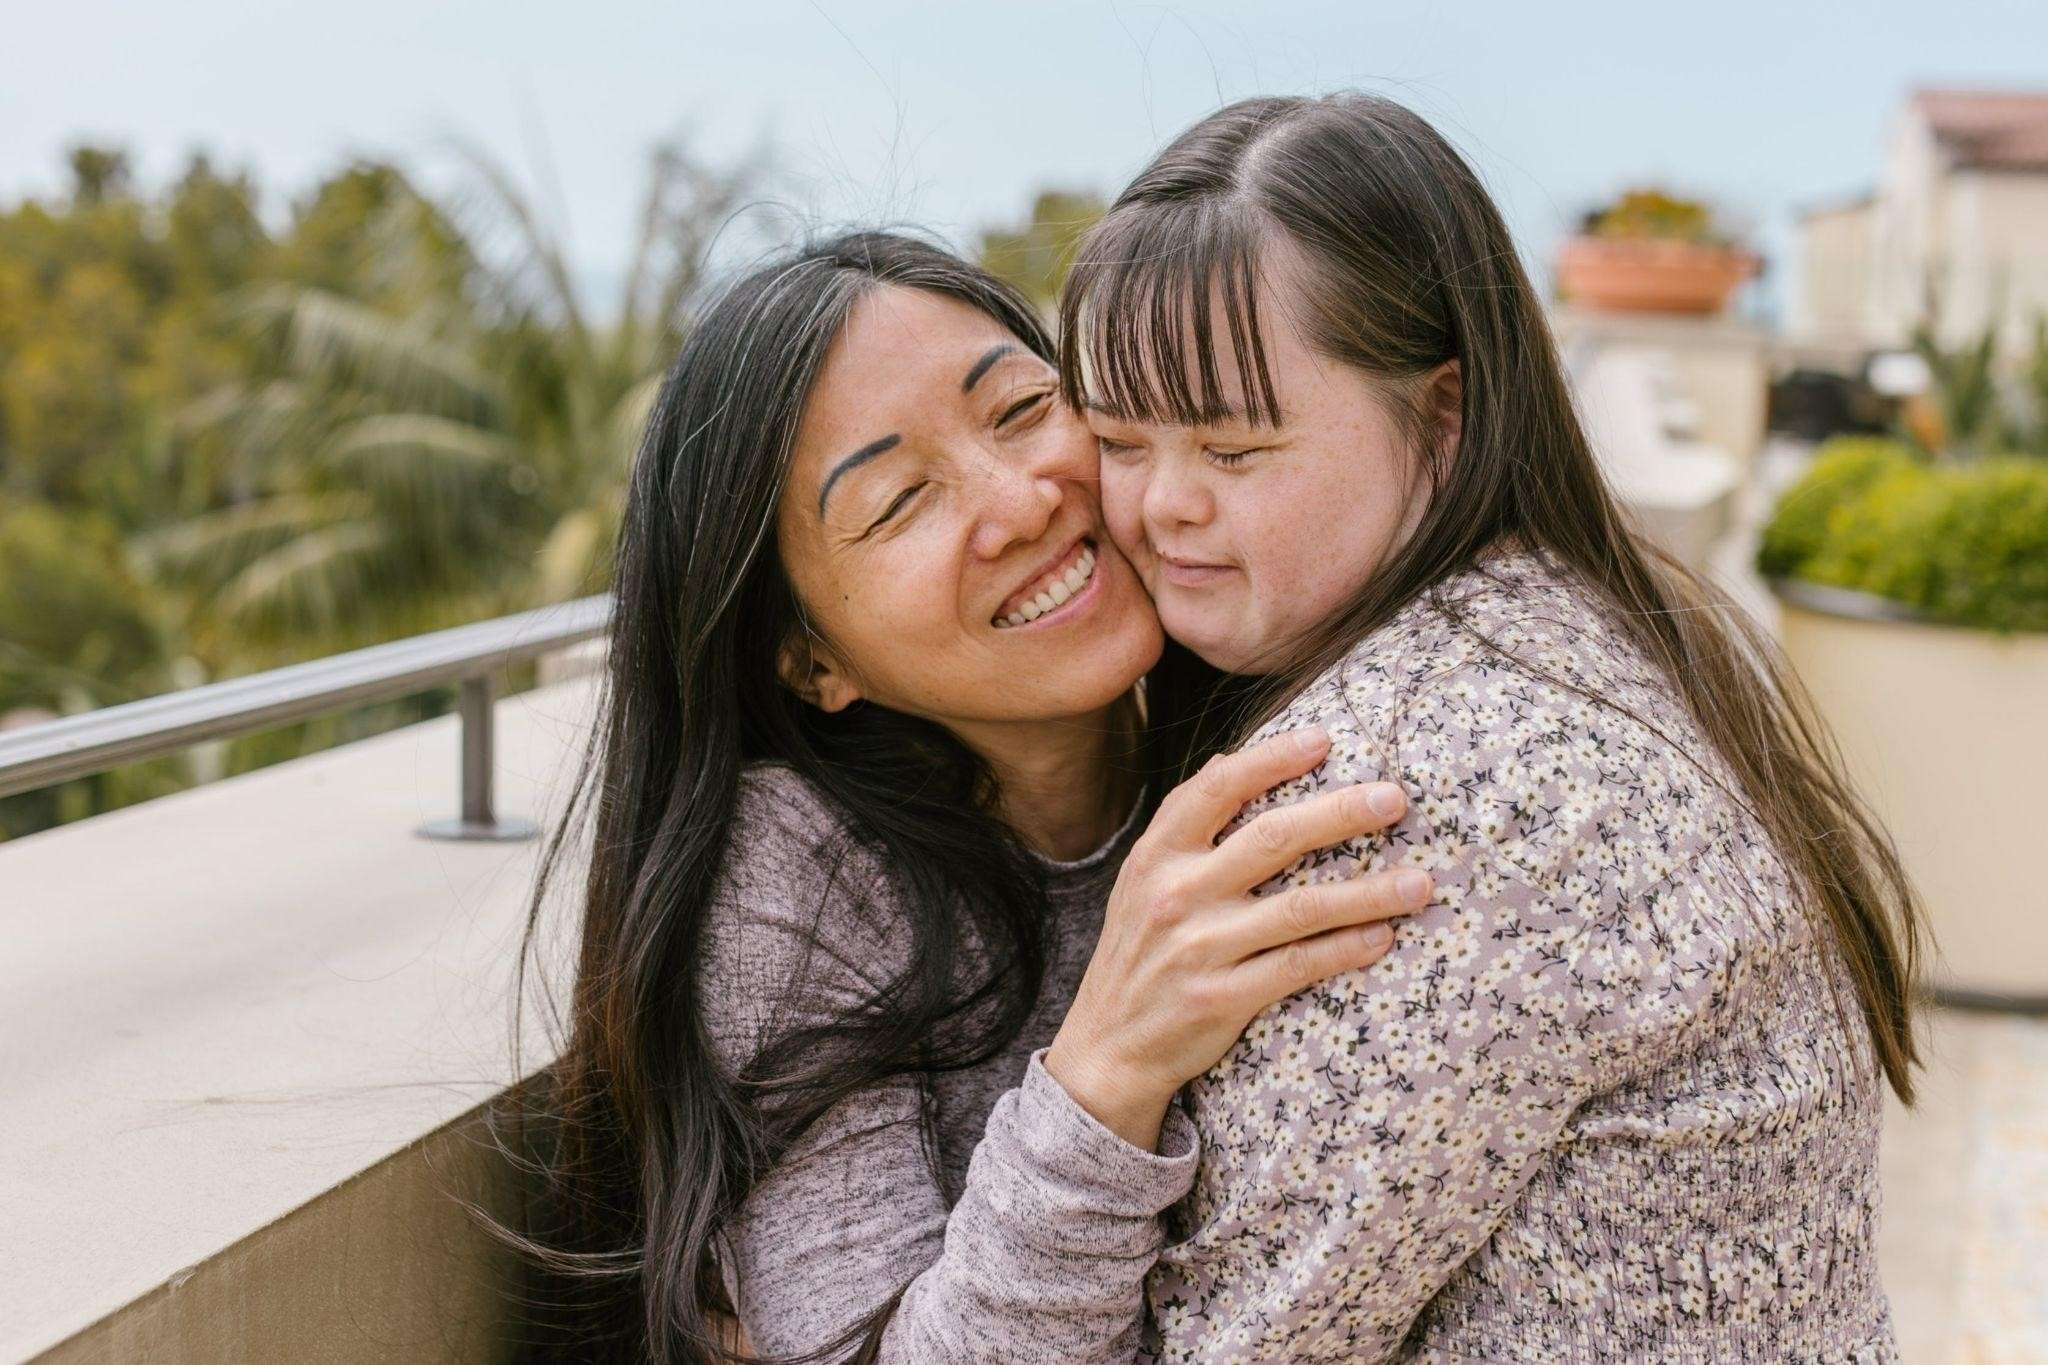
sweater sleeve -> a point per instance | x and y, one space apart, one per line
1367 1136
1045 1253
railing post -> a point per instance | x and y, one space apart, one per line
478 820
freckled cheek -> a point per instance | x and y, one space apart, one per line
910 600
1123 512
1284 550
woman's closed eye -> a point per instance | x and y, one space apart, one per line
1220 457
1230 459
1029 405
896 504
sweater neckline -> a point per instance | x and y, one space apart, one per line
1060 869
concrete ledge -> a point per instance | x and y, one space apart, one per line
242 1030
389 1266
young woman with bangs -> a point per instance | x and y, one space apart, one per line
1615 1094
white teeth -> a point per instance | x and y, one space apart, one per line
1057 593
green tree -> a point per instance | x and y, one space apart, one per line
1964 391
77 631
453 443
112 317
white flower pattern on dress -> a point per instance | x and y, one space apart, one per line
1599 1103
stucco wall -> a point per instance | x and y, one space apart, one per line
1946 732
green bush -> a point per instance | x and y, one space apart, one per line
1965 544
1843 469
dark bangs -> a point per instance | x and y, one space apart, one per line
1139 329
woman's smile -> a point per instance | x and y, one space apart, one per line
1063 591
1184 571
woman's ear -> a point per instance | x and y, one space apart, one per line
1444 401
810 670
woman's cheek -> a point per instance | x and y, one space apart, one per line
1123 511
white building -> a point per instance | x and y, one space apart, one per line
1959 215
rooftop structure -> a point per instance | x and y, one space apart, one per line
1955 231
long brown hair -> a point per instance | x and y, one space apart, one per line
643 1140
1409 265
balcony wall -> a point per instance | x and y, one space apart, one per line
245 1034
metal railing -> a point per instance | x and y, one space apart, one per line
470 656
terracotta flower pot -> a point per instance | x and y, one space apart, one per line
1645 275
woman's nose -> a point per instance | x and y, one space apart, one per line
1176 497
1018 503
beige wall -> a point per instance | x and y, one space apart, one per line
1834 275
1721 365
388 1267
2005 215
247 1024
1980 236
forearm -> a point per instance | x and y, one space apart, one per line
1047 1250
1132 1111
1044 1256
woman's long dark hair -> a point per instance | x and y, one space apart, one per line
645 1144
1408 266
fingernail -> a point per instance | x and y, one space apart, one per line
1384 799
1379 936
1315 737
1412 886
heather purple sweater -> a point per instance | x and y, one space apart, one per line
1026 1236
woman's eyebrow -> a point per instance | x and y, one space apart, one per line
855 461
982 366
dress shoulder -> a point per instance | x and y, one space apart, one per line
1555 780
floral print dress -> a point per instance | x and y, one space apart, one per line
1608 1099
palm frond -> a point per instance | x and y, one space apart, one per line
539 251
310 584
220 543
412 438
441 483
346 345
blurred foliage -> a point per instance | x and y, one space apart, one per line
1964 415
454 449
2028 420
59 569
1979 400
1036 254
228 444
1655 213
1841 470
1965 543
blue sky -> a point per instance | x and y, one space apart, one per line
949 115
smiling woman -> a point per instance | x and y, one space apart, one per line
953 504
1616 1095
883 998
